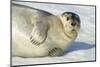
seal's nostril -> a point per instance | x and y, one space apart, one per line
73 24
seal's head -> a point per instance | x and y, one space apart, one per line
71 22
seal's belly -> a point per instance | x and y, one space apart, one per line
21 46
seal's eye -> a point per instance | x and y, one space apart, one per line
67 18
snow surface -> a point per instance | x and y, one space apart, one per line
83 49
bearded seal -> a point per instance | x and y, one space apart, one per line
38 33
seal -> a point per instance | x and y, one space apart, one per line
38 33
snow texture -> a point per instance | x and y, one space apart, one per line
83 49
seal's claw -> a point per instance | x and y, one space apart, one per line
56 52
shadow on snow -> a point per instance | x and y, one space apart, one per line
79 46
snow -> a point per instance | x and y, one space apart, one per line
83 49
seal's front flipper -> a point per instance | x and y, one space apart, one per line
39 33
55 52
